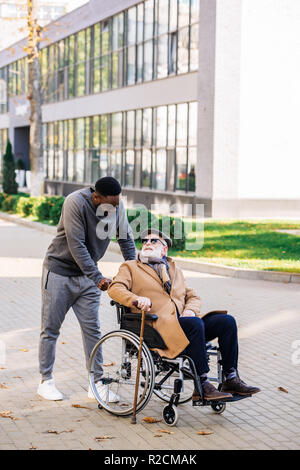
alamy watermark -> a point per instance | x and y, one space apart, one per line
184 222
296 353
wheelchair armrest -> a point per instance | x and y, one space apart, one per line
138 316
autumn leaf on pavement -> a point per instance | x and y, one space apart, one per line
7 414
204 433
150 419
24 350
32 447
281 389
58 432
80 406
103 438
166 431
109 364
2 386
157 435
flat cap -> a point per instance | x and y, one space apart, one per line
159 233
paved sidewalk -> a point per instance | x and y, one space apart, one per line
268 316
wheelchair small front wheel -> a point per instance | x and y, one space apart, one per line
219 407
170 415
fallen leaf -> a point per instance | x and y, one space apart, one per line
204 433
80 406
166 431
58 432
281 389
2 386
2 368
150 419
157 435
109 364
7 414
24 350
124 404
17 377
63 342
103 438
32 447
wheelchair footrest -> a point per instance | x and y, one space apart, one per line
216 402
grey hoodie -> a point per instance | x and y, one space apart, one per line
77 248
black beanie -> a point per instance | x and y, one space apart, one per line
108 186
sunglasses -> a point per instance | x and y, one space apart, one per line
153 241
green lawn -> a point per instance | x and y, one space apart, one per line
249 244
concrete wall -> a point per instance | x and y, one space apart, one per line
269 158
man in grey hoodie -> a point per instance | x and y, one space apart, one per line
89 219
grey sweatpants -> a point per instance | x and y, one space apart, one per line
59 294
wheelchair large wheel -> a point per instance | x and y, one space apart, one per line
119 351
166 378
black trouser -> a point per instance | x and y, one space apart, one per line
201 330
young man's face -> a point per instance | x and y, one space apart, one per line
154 245
111 200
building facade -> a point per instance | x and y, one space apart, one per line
150 92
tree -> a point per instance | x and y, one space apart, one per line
35 99
10 185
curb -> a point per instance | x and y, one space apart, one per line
184 263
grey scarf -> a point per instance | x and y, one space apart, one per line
159 266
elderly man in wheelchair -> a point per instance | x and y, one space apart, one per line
177 349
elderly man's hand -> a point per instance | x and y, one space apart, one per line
188 313
104 284
144 303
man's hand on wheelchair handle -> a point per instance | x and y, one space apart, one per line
188 313
104 284
144 303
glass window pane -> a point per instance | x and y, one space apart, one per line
147 127
95 169
163 13
129 168
172 55
148 59
173 15
103 163
131 66
116 130
96 133
162 56
104 130
96 75
182 124
159 170
130 129
192 169
140 20
171 125
195 4
105 65
70 134
115 70
181 158
183 50
97 40
161 126
87 132
80 83
149 9
146 168
193 116
70 168
115 164
139 63
105 27
131 26
79 158
79 126
138 127
81 46
183 14
118 28
194 47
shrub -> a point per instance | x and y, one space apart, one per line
2 199
10 203
9 184
55 210
25 205
41 208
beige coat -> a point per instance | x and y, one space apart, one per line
138 279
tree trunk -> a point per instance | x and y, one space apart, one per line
35 98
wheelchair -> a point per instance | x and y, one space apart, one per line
171 380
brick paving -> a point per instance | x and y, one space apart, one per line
268 317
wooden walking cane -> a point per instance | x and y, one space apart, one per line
133 419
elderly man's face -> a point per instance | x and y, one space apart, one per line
154 246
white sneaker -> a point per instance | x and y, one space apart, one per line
48 390
103 390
